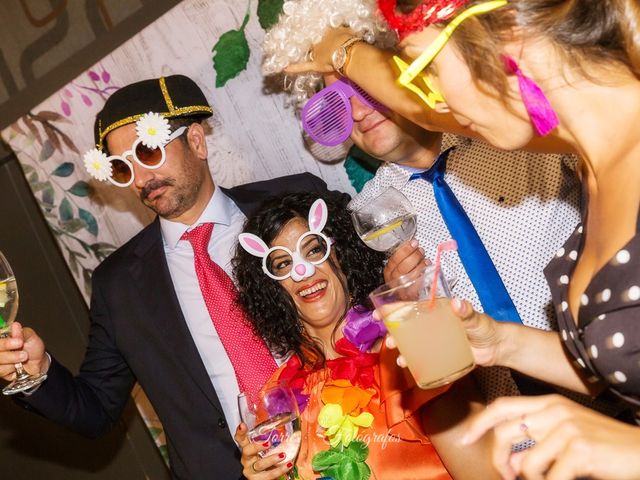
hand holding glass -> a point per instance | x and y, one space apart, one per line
8 312
273 417
429 335
385 222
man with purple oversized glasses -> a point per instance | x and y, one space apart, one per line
328 116
499 190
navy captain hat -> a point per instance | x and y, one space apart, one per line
174 96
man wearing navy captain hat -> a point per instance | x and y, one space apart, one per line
156 318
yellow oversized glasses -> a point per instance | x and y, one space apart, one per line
412 76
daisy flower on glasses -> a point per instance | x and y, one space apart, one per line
153 130
97 164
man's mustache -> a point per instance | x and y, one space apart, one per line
154 184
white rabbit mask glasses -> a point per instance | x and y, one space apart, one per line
312 248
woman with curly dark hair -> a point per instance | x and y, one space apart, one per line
304 276
274 312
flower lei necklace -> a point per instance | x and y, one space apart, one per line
345 395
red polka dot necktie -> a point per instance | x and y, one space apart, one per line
251 360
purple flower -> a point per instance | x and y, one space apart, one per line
301 399
361 329
280 400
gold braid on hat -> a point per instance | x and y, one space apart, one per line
172 112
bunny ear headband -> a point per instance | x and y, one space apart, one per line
312 248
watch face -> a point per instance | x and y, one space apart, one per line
338 58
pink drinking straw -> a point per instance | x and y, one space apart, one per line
448 246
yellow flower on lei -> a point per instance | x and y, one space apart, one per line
341 428
352 399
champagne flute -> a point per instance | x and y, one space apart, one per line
273 416
8 312
384 222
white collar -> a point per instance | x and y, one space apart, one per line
219 210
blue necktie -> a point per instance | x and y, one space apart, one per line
474 256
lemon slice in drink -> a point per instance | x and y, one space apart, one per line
382 231
401 314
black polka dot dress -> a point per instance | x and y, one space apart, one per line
606 341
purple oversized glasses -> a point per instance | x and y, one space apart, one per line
327 116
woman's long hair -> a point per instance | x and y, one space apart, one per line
270 308
597 32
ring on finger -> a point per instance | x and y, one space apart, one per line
524 428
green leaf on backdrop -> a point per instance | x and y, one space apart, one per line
90 220
72 226
231 54
102 250
73 264
47 150
103 246
64 169
86 275
164 451
27 169
38 186
66 210
81 189
48 195
268 12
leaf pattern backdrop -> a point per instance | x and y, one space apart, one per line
253 136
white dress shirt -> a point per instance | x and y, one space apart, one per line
228 221
523 206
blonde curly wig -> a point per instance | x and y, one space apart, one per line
303 24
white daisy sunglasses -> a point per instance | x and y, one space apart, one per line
148 151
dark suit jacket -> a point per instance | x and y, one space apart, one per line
138 333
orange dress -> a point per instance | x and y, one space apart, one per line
368 391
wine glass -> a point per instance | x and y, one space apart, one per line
384 222
272 416
8 312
